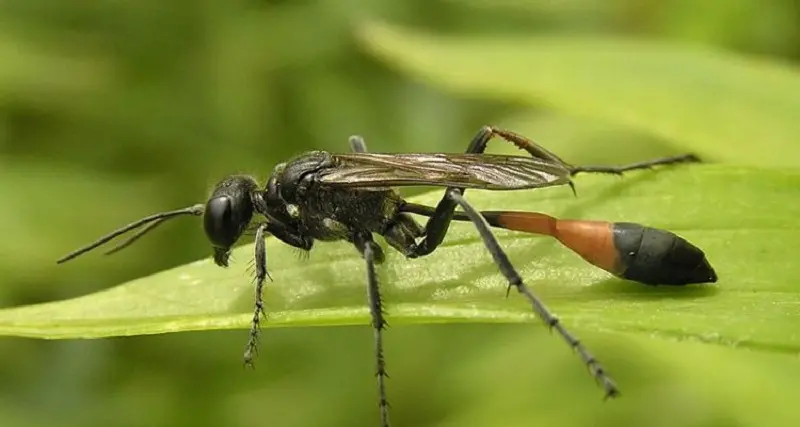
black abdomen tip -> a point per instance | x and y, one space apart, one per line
658 257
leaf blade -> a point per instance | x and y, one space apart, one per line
714 103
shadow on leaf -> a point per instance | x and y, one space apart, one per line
628 290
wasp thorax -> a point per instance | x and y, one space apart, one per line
229 210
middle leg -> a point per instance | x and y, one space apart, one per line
371 251
404 231
357 144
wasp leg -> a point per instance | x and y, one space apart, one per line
514 280
647 164
370 250
261 276
373 253
526 144
537 150
357 144
404 231
439 222
287 236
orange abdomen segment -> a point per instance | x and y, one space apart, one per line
529 222
593 241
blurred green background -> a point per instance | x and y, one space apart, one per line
111 110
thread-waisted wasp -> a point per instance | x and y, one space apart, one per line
328 197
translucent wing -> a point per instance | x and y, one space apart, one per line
487 171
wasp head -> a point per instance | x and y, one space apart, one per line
227 214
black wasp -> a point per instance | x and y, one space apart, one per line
329 197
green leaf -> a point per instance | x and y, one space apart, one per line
746 220
717 104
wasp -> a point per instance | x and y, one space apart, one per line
321 196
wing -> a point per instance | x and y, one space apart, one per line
486 171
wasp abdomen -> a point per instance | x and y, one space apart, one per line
592 240
659 257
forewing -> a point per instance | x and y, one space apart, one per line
488 171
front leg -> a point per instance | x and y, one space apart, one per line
287 236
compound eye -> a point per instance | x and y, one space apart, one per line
220 227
